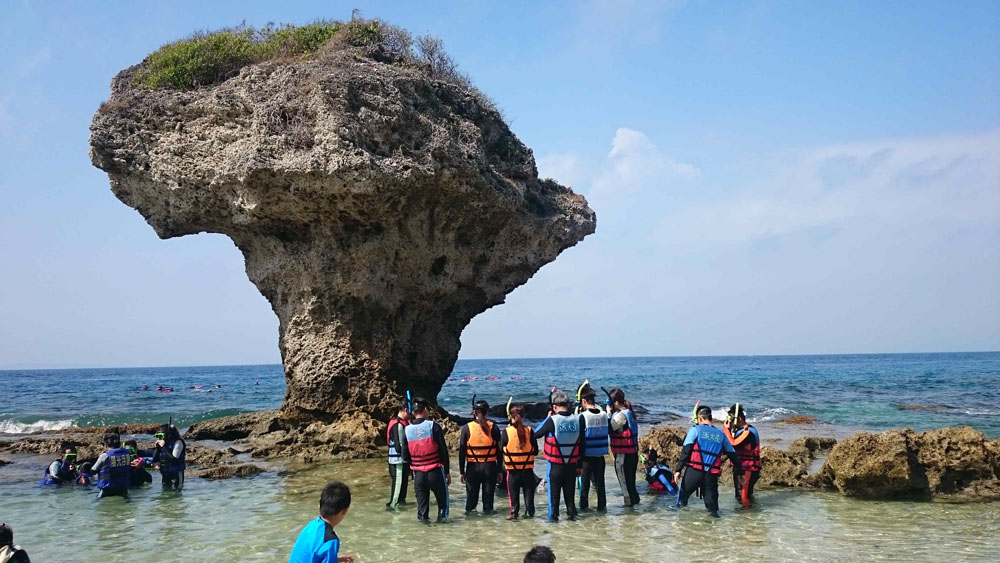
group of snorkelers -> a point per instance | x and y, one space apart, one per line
575 445
122 465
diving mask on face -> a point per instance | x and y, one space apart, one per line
69 456
160 436
130 449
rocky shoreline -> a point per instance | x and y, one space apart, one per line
955 464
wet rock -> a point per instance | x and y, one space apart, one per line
378 211
3 463
667 441
799 419
229 471
956 463
807 447
781 469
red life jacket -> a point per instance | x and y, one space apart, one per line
748 451
713 441
624 442
395 455
563 445
424 451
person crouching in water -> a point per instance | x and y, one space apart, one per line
479 444
425 450
624 445
62 470
746 441
137 464
659 476
701 459
399 472
170 453
595 447
563 433
519 451
114 474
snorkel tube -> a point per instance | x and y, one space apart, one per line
694 412
509 401
409 402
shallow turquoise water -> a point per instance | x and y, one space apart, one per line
258 519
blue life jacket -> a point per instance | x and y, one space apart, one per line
708 444
175 465
662 474
595 436
562 445
63 475
116 473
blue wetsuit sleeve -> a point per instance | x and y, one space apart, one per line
544 428
632 424
691 436
728 447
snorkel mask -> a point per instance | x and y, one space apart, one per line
160 436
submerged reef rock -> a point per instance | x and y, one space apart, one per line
378 208
950 463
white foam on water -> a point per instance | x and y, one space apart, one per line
771 414
15 427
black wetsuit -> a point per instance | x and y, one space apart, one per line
423 447
699 472
562 476
521 481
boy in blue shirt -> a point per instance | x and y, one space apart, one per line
318 543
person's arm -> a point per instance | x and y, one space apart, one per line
580 439
463 441
503 446
686 450
544 428
442 448
496 440
404 448
737 440
54 468
102 460
730 452
633 426
178 451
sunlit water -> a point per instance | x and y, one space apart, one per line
258 519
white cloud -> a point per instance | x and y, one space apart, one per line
635 164
567 169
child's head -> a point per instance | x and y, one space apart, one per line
334 502
651 458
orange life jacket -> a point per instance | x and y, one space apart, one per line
517 457
481 448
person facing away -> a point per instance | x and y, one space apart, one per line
746 441
114 474
701 460
63 469
425 450
540 554
137 464
399 471
563 433
479 460
595 447
317 542
169 455
624 444
659 476
10 552
519 450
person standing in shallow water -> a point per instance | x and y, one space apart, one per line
479 445
114 472
519 451
170 454
399 471
702 459
563 433
746 442
624 444
595 447
425 450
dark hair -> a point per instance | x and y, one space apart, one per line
404 407
420 404
336 497
651 455
173 434
617 395
67 446
540 554
132 443
705 411
112 440
6 535
737 413
481 405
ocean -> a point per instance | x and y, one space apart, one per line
257 519
857 391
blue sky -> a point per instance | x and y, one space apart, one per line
769 178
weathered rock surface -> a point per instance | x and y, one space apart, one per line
378 211
229 471
951 463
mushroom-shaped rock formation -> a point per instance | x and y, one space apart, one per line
378 210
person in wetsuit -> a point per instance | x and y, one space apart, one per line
659 476
701 461
114 474
169 455
137 463
317 542
746 442
563 433
595 447
425 450
399 471
624 444
62 470
519 450
479 460
10 552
